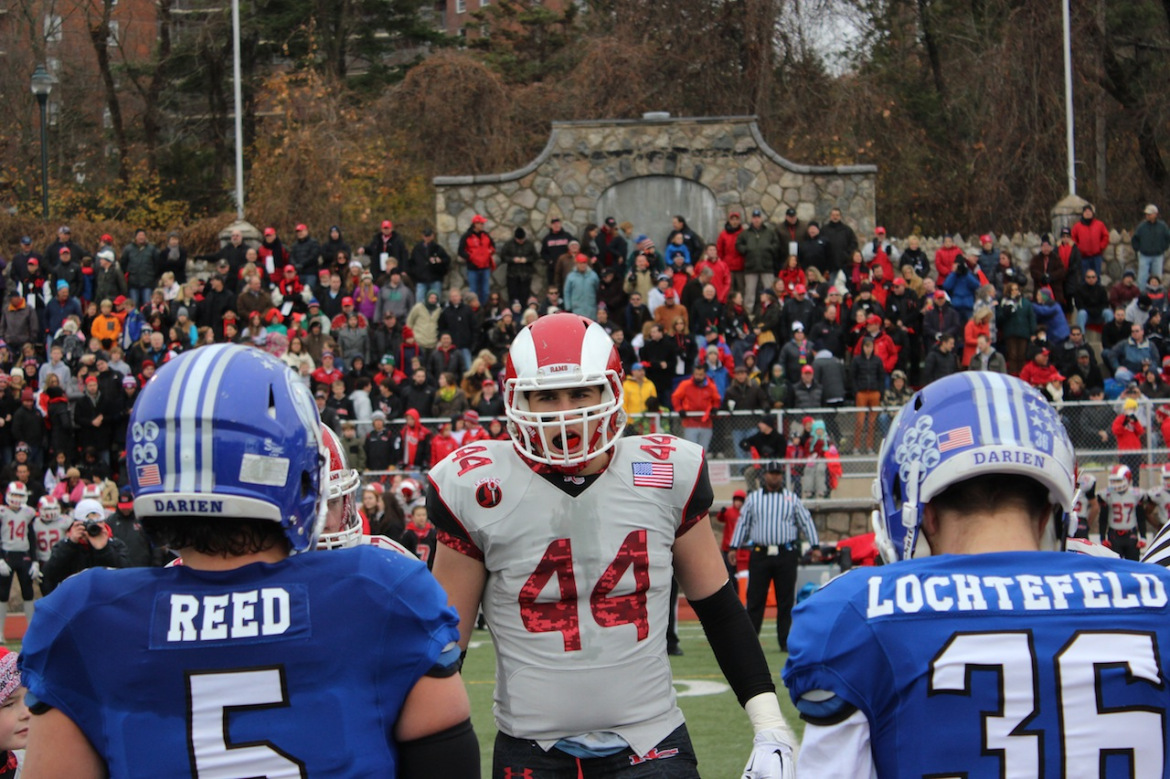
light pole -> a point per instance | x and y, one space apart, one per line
42 85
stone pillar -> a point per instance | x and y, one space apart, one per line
1066 213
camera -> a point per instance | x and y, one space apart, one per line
93 527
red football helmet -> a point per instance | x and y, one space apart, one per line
563 351
409 490
343 525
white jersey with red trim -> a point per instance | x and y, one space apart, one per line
578 585
1121 508
15 527
1160 497
382 542
48 533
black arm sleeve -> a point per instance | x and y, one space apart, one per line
735 644
449 754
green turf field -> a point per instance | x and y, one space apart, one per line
718 726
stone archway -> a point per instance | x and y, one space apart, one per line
716 164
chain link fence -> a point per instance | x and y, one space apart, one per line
857 434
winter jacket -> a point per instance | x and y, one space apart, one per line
425 324
726 249
867 373
1091 237
829 374
478 250
1151 238
695 402
962 286
19 326
108 284
526 250
305 255
1047 270
428 263
1053 318
1015 318
944 261
938 365
760 249
580 293
141 265
68 558
842 243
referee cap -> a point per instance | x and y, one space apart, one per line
774 466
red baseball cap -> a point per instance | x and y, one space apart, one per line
107 238
899 282
985 238
119 300
346 302
302 227
478 218
807 369
270 231
879 231
800 289
387 223
940 295
873 319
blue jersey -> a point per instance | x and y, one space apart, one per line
298 668
1015 664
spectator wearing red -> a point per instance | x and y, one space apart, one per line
735 559
1091 237
414 442
474 430
696 399
1127 429
478 250
347 308
442 444
725 248
1039 373
944 258
791 276
328 373
720 271
272 254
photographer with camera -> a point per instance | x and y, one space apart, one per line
88 544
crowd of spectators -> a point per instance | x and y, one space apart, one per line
406 364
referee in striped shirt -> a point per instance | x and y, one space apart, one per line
768 525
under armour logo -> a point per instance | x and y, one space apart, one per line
653 754
524 773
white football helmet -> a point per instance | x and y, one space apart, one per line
1119 478
1086 482
16 496
1166 476
555 352
48 508
91 492
343 525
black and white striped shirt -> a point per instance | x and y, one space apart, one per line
773 518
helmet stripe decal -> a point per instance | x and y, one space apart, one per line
189 454
207 448
981 403
1001 405
170 461
1021 412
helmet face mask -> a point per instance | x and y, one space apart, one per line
961 427
343 525
553 418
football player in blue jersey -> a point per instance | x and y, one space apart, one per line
252 658
976 653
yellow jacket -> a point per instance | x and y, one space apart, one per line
636 395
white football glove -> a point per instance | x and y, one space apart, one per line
34 570
5 571
772 757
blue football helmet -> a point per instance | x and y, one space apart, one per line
229 431
966 425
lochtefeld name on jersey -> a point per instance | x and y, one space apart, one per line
1052 672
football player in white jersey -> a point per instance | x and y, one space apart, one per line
1086 509
16 518
1159 498
343 523
51 525
580 530
1124 526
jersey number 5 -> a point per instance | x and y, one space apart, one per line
210 700
1099 729
608 610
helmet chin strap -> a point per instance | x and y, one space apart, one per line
910 519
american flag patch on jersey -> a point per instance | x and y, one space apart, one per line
953 439
148 476
654 475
